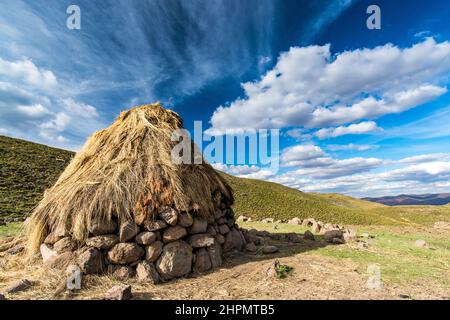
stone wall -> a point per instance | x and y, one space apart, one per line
173 244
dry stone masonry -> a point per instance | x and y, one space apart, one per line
172 244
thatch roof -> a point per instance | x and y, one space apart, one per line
126 171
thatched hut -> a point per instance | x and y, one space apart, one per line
123 205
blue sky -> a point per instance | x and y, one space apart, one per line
361 112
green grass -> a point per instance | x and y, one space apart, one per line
27 169
392 248
11 229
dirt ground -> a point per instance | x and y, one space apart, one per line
243 276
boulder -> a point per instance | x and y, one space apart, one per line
251 247
230 223
19 286
332 234
65 244
91 261
269 249
220 239
120 292
295 221
421 243
202 261
293 237
169 215
146 238
47 252
60 261
211 230
105 242
308 222
185 219
308 235
224 229
151 225
215 254
100 227
174 233
128 230
175 260
125 253
315 227
234 240
363 245
153 251
146 272
199 226
267 220
337 241
243 219
121 273
201 240
250 236
349 235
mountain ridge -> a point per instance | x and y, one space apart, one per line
436 199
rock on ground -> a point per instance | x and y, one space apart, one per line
120 292
63 245
121 273
153 251
60 262
175 260
128 230
202 261
269 249
421 243
308 235
91 261
234 241
105 242
146 238
146 272
19 286
185 219
201 240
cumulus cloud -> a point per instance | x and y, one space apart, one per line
351 147
312 88
245 171
425 158
26 71
300 154
357 128
34 111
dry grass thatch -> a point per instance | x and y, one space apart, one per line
125 170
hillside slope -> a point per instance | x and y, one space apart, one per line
27 169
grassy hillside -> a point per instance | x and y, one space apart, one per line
27 169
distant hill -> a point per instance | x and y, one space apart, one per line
437 199
27 169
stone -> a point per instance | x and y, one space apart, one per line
269 249
91 261
220 239
251 247
151 225
125 253
234 240
175 260
230 223
211 230
295 221
315 228
215 254
243 219
128 230
222 220
337 241
146 272
120 292
252 237
174 233
308 222
121 273
308 235
52 238
199 226
421 244
293 238
15 250
365 235
19 286
332 234
202 261
185 219
363 245
224 229
100 227
169 215
60 261
105 242
201 240
65 244
47 252
146 238
267 220
349 235
153 251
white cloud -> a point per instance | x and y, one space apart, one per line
358 128
245 171
28 72
351 147
298 155
425 158
310 87
34 111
